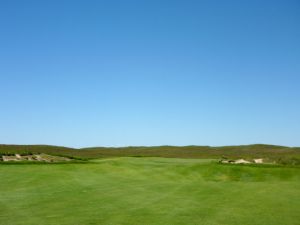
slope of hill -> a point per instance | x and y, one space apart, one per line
271 152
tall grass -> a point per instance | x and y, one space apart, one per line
281 154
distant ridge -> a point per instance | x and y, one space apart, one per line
273 152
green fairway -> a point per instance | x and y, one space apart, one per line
144 191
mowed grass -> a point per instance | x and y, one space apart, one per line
144 191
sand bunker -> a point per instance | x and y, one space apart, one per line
242 161
37 157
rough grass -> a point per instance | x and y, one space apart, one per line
284 155
149 191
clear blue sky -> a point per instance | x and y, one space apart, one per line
159 72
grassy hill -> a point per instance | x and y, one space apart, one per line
271 152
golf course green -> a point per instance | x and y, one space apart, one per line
149 191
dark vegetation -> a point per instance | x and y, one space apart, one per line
272 153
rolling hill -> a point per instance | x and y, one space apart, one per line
271 152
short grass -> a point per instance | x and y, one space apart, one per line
149 191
